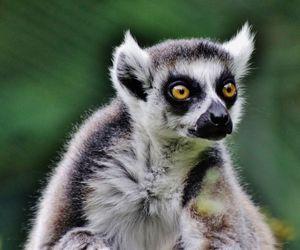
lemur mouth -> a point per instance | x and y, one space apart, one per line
211 132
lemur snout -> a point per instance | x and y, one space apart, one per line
218 115
214 124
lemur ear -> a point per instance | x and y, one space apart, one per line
241 47
131 69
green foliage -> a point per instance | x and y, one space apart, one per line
54 57
283 231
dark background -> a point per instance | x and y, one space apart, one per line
54 59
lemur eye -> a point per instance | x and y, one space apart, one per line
180 92
229 90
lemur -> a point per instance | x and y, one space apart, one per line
150 171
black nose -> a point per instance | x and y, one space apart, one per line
219 118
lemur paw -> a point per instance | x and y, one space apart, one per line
80 239
219 241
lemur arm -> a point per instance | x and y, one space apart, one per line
80 239
59 225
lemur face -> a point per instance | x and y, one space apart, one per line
198 93
187 88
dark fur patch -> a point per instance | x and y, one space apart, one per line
167 53
180 107
118 126
126 76
209 158
178 245
223 79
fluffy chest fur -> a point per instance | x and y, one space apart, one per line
136 195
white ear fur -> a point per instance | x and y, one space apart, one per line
241 47
130 63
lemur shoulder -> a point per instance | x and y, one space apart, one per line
151 169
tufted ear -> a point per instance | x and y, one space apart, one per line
241 47
131 69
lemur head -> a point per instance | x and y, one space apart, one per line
184 88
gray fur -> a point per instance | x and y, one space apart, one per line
170 51
133 177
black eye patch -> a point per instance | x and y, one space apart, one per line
226 78
195 93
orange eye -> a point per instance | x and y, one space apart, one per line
229 90
180 92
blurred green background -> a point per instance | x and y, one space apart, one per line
54 59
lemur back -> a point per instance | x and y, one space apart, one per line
151 169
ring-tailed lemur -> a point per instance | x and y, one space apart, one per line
150 171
